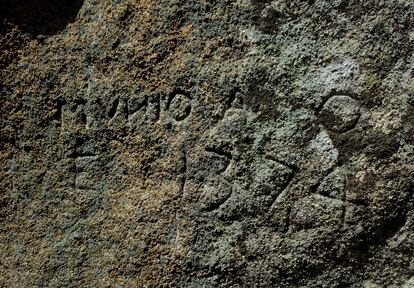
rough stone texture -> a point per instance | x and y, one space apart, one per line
229 143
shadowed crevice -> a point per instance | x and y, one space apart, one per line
40 17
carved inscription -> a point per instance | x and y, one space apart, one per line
122 112
340 113
116 114
314 211
179 106
184 172
331 204
74 116
137 111
274 175
86 170
217 189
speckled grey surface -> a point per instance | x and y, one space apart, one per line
207 143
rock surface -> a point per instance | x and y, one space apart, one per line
234 143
